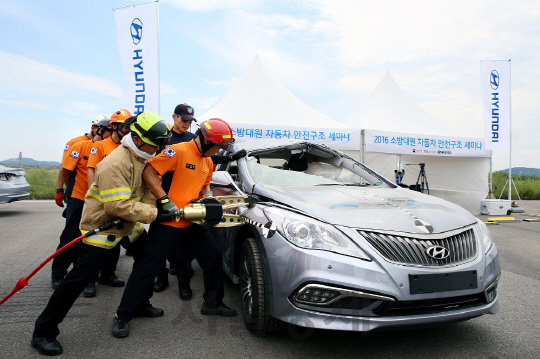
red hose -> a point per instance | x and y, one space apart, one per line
23 282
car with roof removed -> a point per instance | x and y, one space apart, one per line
328 243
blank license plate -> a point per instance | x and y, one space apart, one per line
445 282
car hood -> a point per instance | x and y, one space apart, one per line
372 208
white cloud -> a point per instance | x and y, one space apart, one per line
209 5
82 107
32 105
23 75
370 32
166 88
202 103
225 84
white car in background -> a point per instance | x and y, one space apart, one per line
13 185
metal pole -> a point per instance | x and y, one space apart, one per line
362 147
510 130
159 67
491 174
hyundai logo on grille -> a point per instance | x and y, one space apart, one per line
136 31
494 81
437 252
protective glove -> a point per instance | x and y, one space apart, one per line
235 156
59 197
167 205
164 215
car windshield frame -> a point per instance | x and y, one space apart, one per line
319 166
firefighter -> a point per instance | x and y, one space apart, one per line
119 191
183 117
73 173
87 136
98 152
192 169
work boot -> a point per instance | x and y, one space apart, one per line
161 284
120 328
222 310
55 282
172 269
185 293
150 312
47 347
90 290
112 280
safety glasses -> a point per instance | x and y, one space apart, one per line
185 121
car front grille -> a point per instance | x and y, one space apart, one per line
410 250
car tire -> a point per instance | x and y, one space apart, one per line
254 291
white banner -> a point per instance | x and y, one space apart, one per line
409 144
337 138
137 36
495 85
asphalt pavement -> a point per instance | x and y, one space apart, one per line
29 232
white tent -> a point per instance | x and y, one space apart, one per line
394 128
259 106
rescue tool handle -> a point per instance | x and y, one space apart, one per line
23 282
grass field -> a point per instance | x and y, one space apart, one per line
528 186
43 184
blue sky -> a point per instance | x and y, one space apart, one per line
60 66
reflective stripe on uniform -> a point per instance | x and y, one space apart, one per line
103 239
111 195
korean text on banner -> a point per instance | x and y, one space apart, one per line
337 138
137 36
495 85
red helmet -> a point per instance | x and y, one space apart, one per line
218 132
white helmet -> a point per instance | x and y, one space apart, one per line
99 118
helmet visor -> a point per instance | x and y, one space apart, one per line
157 135
226 144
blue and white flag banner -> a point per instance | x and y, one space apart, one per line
337 138
137 36
427 145
495 85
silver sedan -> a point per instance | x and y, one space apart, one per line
328 243
13 185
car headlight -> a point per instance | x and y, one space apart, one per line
486 236
308 233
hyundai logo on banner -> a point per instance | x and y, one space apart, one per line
136 31
494 79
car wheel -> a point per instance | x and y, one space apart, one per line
254 291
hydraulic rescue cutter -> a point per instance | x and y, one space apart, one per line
210 211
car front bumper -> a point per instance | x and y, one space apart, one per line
290 269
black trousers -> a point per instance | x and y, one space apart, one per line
182 260
183 265
62 261
171 257
161 239
91 259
